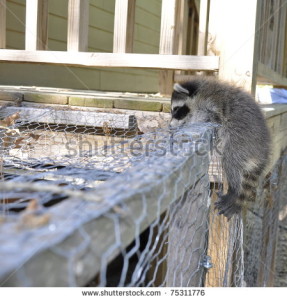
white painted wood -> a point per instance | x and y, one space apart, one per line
203 27
78 25
36 32
167 29
167 42
233 36
69 117
124 26
2 24
116 60
268 76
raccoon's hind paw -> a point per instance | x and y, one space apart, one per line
227 207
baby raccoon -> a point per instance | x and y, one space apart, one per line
243 134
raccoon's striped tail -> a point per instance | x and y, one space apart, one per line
232 202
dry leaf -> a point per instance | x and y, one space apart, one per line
32 206
107 130
34 136
120 211
31 220
10 120
18 142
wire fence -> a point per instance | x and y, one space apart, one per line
88 200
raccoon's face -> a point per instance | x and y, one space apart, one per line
184 108
187 106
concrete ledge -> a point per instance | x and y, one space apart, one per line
138 105
10 96
46 98
271 110
97 99
91 102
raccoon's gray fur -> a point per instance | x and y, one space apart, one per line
243 133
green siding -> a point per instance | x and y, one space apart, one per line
146 40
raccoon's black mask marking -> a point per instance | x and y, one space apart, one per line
180 112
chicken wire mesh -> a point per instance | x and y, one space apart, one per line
87 200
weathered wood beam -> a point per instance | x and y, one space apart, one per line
116 60
36 32
68 117
78 25
268 76
167 45
124 26
203 27
235 41
2 24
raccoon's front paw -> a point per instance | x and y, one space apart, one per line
227 207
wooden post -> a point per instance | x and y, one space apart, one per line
235 40
124 26
266 272
166 46
78 25
2 24
180 45
187 236
36 33
203 27
218 238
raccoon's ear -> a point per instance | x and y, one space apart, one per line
178 88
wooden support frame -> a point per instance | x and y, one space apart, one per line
36 33
115 60
78 25
167 42
2 24
124 26
235 41
203 27
268 76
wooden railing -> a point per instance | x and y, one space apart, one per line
272 56
36 34
250 51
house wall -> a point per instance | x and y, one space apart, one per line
101 23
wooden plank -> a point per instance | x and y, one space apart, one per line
69 117
181 27
266 272
2 24
267 75
182 11
281 46
218 238
203 27
235 41
285 45
36 33
167 28
124 26
167 42
116 60
78 25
